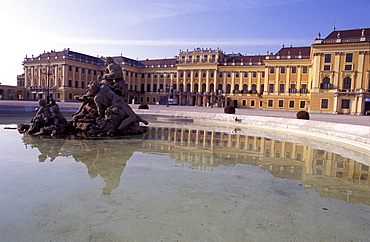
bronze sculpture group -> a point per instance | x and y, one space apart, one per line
103 112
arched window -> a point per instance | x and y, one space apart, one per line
181 87
326 83
212 87
236 88
188 87
155 87
254 89
142 87
174 86
228 88
219 88
161 86
262 87
196 87
245 88
204 87
148 87
347 83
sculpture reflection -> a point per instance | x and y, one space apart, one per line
105 158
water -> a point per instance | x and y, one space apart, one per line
179 182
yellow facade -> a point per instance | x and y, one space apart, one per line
330 76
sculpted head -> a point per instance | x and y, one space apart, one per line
109 60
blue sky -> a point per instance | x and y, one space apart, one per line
155 29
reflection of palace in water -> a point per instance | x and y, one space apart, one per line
331 175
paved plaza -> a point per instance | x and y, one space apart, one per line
6 107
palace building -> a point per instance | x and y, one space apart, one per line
330 76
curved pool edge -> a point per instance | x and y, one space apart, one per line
354 135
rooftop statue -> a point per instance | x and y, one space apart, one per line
103 111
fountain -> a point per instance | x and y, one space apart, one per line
103 112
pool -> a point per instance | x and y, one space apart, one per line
181 182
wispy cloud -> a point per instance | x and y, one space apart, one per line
147 9
186 42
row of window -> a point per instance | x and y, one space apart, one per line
328 58
293 69
198 58
212 73
89 71
237 88
344 105
270 103
347 82
346 67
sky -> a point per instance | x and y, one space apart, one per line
157 29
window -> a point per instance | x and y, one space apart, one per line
58 95
271 87
244 103
302 104
190 58
253 103
281 103
228 74
204 74
304 69
324 103
349 57
182 58
83 70
220 74
196 73
76 84
304 88
245 74
294 69
270 103
76 69
327 58
272 70
205 58
70 96
212 73
345 103
148 87
213 58
292 88
70 68
326 83
326 67
254 74
348 67
197 59
281 88
82 84
291 104
282 69
69 83
188 74
347 83
237 74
